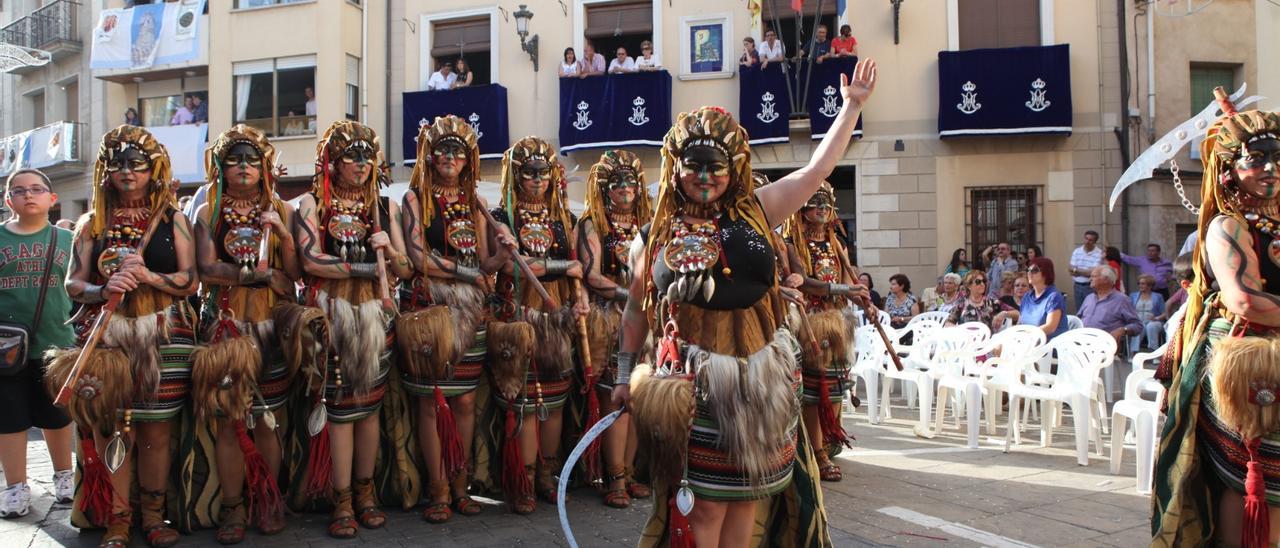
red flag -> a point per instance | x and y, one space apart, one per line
797 5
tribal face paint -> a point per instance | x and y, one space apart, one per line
703 173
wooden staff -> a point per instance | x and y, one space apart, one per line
383 287
524 265
804 320
866 305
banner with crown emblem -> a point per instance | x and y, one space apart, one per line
1004 91
824 98
484 107
764 107
615 110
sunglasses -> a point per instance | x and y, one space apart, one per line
978 282
1033 270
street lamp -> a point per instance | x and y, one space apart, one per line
530 46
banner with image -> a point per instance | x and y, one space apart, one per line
824 98
147 35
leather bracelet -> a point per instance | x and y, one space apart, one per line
839 289
254 276
93 294
466 273
621 294
626 361
367 271
557 267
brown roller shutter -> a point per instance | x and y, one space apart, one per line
449 38
782 8
616 19
999 23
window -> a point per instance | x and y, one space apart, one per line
466 39
1205 77
71 96
277 96
353 88
999 23
35 106
1181 231
242 4
618 24
1003 214
164 110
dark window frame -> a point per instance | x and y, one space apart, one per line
979 233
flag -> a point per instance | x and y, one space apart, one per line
797 5
840 5
753 8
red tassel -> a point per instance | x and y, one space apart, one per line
832 431
265 502
320 465
96 483
591 457
450 443
514 481
679 533
1256 531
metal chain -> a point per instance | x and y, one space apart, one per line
1177 185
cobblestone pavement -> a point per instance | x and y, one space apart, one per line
899 490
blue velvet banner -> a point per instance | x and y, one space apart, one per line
764 104
824 98
615 110
1004 91
485 107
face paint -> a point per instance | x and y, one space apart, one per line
449 150
704 173
359 152
242 155
1264 154
1256 171
130 159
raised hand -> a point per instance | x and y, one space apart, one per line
858 90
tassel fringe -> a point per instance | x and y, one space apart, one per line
265 502
515 483
1256 531
451 453
98 491
679 532
319 465
832 431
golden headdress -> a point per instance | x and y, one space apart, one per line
340 135
716 128
445 128
255 138
598 186
522 151
794 227
114 142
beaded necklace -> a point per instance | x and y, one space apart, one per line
693 250
459 227
536 235
243 236
122 238
622 232
1269 226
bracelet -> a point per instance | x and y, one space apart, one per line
466 273
249 277
620 295
557 267
363 270
838 289
626 361
93 294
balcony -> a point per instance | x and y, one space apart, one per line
52 28
1005 91
151 42
55 149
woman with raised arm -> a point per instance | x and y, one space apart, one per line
343 227
617 205
534 220
240 374
706 289
447 236
1218 451
133 248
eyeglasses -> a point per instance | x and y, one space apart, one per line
24 192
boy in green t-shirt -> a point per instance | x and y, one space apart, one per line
24 401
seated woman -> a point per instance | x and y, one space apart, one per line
900 304
1150 306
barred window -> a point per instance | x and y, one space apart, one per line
1003 214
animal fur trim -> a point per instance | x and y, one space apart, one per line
466 305
223 375
830 331
554 332
427 342
140 339
1241 366
602 330
510 347
303 333
662 410
104 387
359 338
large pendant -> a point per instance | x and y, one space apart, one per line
536 238
684 498
1273 252
115 452
317 420
349 231
241 243
825 270
622 250
461 235
111 258
691 253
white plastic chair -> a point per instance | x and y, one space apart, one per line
869 358
921 328
1074 322
1019 345
1145 415
1082 354
914 373
954 366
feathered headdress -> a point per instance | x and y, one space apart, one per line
794 227
527 149
115 142
445 128
598 186
213 155
340 135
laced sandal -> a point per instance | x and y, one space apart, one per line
273 524
235 523
155 529
437 510
827 470
342 522
367 505
547 485
617 497
636 489
117 535
525 505
463 504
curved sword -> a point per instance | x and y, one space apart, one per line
587 438
1169 145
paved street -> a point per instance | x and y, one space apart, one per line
899 490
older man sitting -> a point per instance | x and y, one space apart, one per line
1108 309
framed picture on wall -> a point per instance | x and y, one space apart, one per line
707 47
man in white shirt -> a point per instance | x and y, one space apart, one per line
771 49
1083 259
592 63
311 101
622 63
442 79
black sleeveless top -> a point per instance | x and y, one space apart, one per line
609 264
750 258
1268 268
559 248
160 254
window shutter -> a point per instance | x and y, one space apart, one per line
454 37
619 18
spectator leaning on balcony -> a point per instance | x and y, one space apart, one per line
646 61
622 63
1106 308
442 79
845 45
463 73
310 94
592 63
569 64
771 50
818 49
183 115
131 117
201 112
750 57
1160 270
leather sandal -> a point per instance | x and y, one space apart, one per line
234 523
636 489
827 470
438 511
463 504
617 497
155 529
367 505
342 522
525 505
117 535
546 485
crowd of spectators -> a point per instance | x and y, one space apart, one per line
593 64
